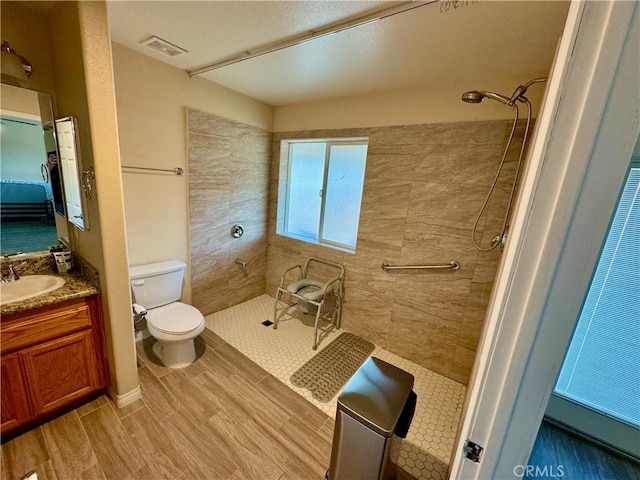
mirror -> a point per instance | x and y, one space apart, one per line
31 190
71 168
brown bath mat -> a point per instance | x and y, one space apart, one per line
328 370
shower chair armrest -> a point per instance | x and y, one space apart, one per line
284 275
325 287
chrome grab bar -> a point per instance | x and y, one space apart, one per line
453 265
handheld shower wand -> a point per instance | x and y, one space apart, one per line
477 96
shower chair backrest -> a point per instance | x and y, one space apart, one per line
322 270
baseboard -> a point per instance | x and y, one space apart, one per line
128 398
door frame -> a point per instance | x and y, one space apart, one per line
587 129
601 428
586 420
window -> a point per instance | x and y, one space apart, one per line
320 191
602 366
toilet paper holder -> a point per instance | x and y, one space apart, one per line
139 312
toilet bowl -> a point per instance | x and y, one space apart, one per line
174 327
157 287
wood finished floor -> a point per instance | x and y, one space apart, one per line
223 417
580 459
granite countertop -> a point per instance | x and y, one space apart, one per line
74 287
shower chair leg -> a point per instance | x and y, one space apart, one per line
275 309
315 327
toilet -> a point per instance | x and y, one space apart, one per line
158 287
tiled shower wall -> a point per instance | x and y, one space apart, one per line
228 185
424 185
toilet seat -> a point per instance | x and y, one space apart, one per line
175 319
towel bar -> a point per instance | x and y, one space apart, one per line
177 170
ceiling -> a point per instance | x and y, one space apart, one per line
426 47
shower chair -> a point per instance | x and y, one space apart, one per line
313 296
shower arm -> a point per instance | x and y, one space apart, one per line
518 94
535 80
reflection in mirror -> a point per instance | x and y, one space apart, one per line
71 168
31 186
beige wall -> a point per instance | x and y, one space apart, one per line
229 184
71 93
403 107
84 87
424 185
27 32
108 195
151 98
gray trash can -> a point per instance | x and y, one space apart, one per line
377 402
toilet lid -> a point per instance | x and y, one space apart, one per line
176 318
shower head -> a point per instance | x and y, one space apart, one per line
476 96
472 97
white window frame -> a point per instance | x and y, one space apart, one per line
284 187
598 315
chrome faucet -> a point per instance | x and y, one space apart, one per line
12 276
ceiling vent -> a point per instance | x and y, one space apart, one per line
162 46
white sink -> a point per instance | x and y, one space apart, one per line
29 286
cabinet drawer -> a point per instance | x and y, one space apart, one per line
30 329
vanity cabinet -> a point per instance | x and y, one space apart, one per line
15 406
52 357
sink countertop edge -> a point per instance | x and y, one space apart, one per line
74 287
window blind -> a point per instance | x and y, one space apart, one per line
602 366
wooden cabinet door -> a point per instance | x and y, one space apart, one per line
15 407
60 371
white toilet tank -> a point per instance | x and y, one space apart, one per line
157 284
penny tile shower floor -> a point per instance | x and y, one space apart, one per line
427 449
